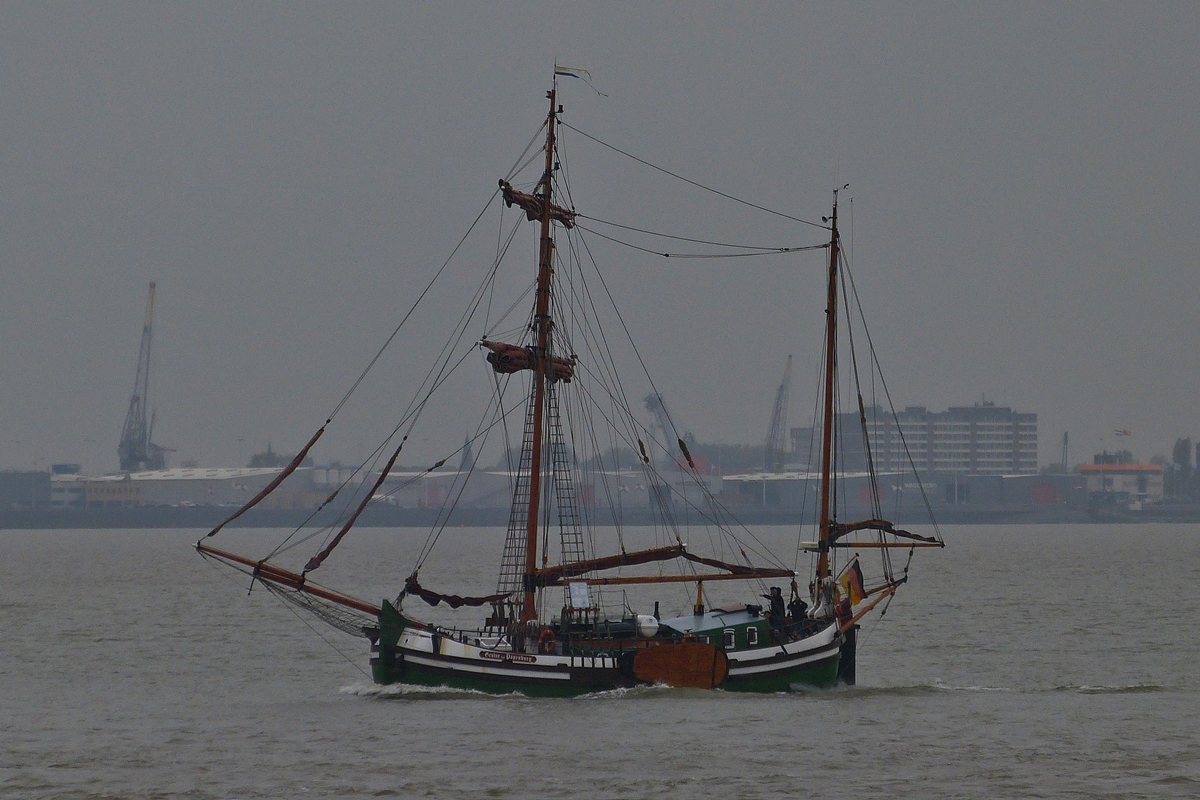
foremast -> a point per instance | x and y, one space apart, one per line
831 533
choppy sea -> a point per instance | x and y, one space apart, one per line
1044 661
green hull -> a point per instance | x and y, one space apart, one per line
821 675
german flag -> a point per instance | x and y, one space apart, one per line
852 583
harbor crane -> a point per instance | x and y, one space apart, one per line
773 449
137 451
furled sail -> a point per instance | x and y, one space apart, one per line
411 587
549 575
296 461
508 358
839 529
319 558
532 205
555 575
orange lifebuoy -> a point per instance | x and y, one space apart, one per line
546 641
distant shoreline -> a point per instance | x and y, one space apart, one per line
391 517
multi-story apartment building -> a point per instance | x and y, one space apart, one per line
984 439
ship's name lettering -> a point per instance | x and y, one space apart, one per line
518 657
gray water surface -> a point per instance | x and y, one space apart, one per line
1051 661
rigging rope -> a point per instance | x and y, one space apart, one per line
414 410
362 376
323 614
695 241
416 303
769 252
887 393
698 185
668 517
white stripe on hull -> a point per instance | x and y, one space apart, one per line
485 669
821 640
784 666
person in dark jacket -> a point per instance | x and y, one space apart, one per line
775 615
798 609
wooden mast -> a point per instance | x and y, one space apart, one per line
541 326
827 427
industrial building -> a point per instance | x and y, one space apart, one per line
1124 484
901 490
490 488
223 486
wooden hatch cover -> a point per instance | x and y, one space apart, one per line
687 665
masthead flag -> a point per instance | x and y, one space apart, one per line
573 72
581 74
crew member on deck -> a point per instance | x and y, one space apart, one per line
799 612
776 613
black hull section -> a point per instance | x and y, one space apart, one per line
846 663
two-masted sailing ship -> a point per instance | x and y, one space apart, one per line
551 627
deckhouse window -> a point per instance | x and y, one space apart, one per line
730 638
752 636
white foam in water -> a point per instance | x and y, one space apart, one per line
413 691
939 684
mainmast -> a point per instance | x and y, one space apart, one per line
541 328
830 382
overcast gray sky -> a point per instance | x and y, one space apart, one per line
1024 183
